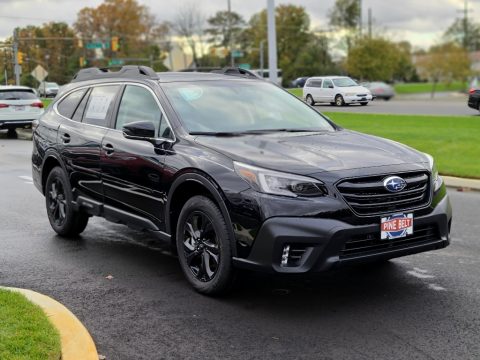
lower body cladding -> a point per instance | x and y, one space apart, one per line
292 245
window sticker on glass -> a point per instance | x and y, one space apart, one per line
191 93
98 107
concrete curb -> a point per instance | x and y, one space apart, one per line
462 183
77 344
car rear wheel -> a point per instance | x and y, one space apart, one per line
204 246
339 100
310 100
64 220
364 103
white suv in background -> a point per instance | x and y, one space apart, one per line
336 90
19 107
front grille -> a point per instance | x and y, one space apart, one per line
368 196
367 244
361 95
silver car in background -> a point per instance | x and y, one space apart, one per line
380 90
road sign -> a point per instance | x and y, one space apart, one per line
98 45
116 62
237 53
39 73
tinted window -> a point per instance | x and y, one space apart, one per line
317 83
78 115
67 106
138 104
327 83
100 105
17 94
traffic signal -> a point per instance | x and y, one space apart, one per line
115 45
20 56
82 61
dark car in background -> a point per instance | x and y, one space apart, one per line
474 98
380 90
234 172
299 82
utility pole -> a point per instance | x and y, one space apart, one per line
360 19
465 25
272 42
370 20
17 69
262 65
230 37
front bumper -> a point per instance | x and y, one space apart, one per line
322 242
357 99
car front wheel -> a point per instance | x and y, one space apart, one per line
61 214
204 246
339 100
310 100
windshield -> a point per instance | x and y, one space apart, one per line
344 82
17 94
241 106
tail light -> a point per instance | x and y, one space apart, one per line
2 106
471 91
37 104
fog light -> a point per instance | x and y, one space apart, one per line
285 254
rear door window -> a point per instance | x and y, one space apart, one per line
67 106
100 105
327 83
17 94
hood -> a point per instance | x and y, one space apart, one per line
309 153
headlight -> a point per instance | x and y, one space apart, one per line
278 183
437 180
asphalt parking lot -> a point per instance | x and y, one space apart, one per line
129 291
409 106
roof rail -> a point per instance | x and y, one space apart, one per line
127 71
236 71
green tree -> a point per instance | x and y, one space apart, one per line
373 59
445 62
345 15
465 33
292 27
224 27
133 23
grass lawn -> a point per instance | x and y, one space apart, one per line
415 88
297 92
25 332
452 140
46 102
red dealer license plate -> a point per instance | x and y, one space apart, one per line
396 226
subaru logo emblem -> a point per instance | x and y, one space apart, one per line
394 184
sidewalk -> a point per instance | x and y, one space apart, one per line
456 182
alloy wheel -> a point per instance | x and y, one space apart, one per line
57 202
201 246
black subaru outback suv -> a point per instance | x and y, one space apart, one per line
234 172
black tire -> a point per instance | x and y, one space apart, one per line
387 98
310 100
339 100
65 221
332 103
364 103
12 134
204 246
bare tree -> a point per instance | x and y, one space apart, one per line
188 23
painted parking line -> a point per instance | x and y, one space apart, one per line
26 179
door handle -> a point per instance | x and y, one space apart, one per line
108 149
66 138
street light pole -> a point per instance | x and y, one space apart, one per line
272 42
230 36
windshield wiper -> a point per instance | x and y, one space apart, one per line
252 132
216 133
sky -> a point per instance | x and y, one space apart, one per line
422 22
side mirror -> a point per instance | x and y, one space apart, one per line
140 130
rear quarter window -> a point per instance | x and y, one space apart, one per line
67 106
